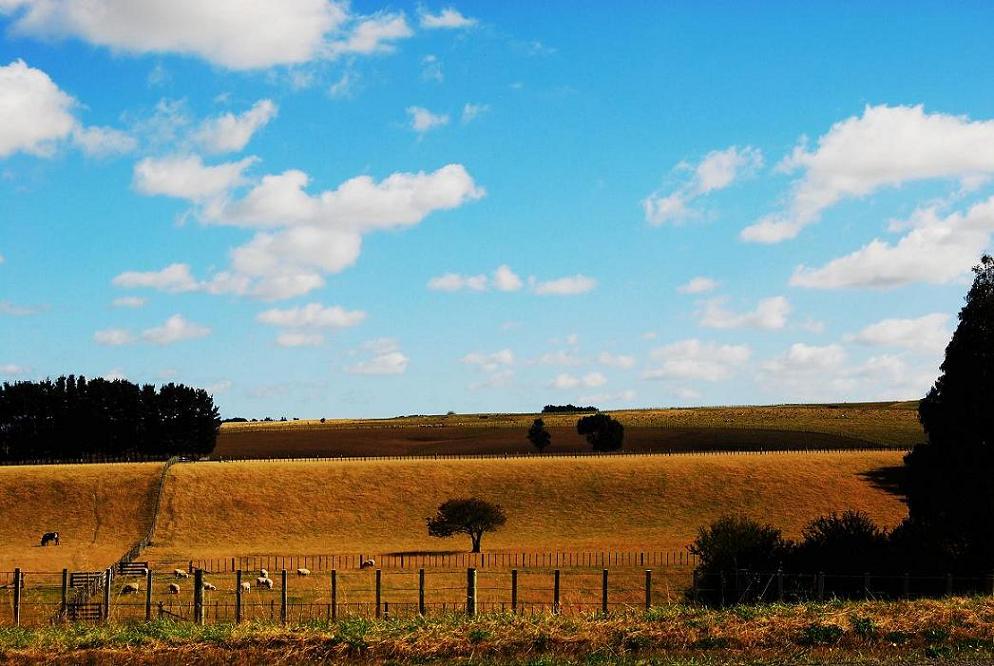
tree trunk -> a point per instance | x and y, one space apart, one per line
476 541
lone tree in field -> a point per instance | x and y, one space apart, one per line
471 516
602 432
950 492
539 436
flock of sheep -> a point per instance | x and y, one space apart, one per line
263 581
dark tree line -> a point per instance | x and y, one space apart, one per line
567 409
73 417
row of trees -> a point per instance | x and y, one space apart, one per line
603 433
74 417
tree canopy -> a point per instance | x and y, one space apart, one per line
73 417
602 432
472 516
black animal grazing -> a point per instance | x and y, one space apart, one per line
49 537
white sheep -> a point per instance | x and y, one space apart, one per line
209 587
303 572
246 587
366 564
264 582
173 588
130 588
263 573
179 573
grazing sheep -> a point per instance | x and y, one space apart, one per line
130 588
179 573
303 572
246 587
263 573
173 588
50 537
366 564
209 587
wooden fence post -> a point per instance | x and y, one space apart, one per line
63 606
866 585
604 591
471 592
555 592
17 597
238 596
648 589
780 584
514 591
148 595
421 592
379 590
283 593
334 595
821 586
949 585
108 579
198 596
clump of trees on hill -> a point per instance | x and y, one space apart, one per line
567 409
74 417
603 432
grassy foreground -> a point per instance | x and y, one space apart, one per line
957 630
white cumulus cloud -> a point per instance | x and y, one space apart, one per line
230 133
312 315
565 286
770 314
175 329
695 360
928 334
447 18
698 285
884 147
718 170
423 120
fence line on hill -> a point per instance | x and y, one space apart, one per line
92 459
495 560
574 454
30 597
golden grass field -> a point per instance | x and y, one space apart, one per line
772 427
230 509
99 510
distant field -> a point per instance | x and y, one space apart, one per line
705 428
99 511
656 502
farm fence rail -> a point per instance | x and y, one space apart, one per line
33 597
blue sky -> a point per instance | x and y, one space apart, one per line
321 209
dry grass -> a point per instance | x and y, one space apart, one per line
956 630
785 427
654 502
98 510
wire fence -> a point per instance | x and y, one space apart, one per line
39 598
724 451
415 560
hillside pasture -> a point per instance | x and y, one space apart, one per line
226 509
787 427
99 511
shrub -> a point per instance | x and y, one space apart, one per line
847 543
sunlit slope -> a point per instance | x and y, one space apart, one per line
704 428
98 510
658 502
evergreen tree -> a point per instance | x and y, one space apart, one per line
539 436
950 488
